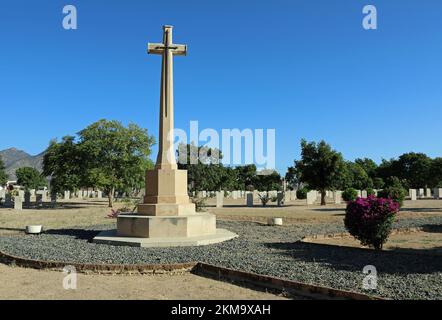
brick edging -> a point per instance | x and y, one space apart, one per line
203 269
98 268
297 288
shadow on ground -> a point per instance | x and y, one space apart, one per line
80 234
402 261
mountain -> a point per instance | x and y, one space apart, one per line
14 159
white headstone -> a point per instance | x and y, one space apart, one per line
67 195
428 193
421 193
219 199
100 194
337 197
364 194
18 204
21 194
311 197
413 194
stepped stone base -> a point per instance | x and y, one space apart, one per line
197 224
111 238
166 209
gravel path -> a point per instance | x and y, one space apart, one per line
261 249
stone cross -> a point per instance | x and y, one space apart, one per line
167 49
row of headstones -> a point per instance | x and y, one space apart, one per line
336 196
313 196
40 196
241 194
80 194
421 193
250 196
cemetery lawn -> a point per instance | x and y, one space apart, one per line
24 284
430 241
66 214
262 249
297 212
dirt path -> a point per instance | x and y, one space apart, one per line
23 284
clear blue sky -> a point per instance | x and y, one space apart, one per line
306 68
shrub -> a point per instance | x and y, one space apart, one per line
349 194
200 204
395 193
301 194
114 213
370 220
370 192
264 197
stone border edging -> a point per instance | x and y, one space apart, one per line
269 282
199 268
98 268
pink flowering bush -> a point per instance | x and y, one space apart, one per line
370 220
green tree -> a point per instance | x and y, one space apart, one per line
3 175
267 182
320 166
30 178
65 164
246 176
204 168
114 157
415 169
436 173
292 178
368 165
358 177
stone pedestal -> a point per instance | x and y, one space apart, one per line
166 217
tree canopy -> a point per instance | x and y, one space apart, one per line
3 175
107 156
30 178
320 166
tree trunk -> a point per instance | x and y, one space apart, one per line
110 196
323 193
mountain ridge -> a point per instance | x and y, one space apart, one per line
15 158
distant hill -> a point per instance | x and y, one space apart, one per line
14 159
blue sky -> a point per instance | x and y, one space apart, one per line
305 68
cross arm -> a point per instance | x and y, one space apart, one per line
158 48
155 48
179 49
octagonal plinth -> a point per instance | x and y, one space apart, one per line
197 224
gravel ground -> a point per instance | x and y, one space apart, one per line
261 249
